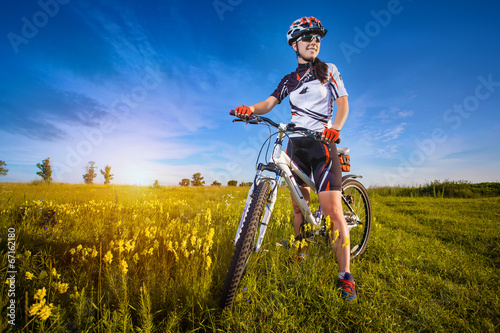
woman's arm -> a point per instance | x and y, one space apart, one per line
342 112
264 106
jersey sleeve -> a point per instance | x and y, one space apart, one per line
281 92
336 82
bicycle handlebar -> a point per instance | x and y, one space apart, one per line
253 119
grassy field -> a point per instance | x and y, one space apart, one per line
94 258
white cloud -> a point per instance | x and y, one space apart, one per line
392 133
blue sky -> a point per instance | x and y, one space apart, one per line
146 87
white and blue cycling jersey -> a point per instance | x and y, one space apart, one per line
311 102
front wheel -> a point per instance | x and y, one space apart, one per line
358 214
244 244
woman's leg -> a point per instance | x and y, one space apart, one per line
331 205
297 213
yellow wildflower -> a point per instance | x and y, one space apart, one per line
208 262
46 311
72 251
211 234
108 257
119 245
129 246
336 235
346 242
208 216
41 310
35 308
135 258
27 254
94 253
54 273
29 276
61 287
328 222
124 266
79 247
40 294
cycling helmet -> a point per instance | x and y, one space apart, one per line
304 25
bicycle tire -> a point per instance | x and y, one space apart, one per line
244 245
357 196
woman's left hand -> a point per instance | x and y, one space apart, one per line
330 135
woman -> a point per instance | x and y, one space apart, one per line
312 88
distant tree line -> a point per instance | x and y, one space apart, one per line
3 169
46 172
197 180
91 173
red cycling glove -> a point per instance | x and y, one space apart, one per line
243 111
331 134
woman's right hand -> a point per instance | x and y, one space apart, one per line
243 112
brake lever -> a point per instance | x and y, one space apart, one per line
253 121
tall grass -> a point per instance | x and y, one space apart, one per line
144 259
441 189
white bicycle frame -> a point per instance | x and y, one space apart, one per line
283 167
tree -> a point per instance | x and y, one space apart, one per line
89 176
3 169
107 175
197 180
232 183
156 184
216 183
184 182
46 170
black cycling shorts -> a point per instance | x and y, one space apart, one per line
314 157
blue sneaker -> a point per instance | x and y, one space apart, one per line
348 287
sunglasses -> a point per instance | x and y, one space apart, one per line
309 38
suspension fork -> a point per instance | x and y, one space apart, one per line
245 211
270 201
267 212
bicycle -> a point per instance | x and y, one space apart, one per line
262 197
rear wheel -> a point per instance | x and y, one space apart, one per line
244 245
358 214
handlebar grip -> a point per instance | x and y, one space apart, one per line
231 113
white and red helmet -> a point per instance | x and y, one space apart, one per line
305 25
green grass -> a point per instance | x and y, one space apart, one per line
442 189
432 264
